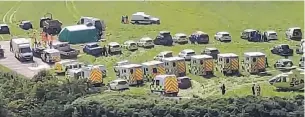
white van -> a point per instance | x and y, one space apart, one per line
142 18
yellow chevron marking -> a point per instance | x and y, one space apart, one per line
234 64
209 65
96 75
138 74
171 84
58 67
181 66
161 70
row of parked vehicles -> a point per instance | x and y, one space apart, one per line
23 51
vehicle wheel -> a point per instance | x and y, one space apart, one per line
136 22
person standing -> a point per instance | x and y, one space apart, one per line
11 48
253 89
266 62
223 89
258 90
104 49
122 19
126 19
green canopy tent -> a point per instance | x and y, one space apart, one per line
78 34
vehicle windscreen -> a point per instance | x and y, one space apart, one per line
272 34
215 51
149 41
98 24
122 82
191 53
285 47
25 50
93 46
168 55
289 63
182 36
225 34
133 44
116 46
203 36
185 80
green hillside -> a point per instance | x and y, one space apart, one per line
185 17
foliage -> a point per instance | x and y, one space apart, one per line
71 98
116 105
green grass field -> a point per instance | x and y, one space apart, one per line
185 17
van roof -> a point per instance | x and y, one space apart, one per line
202 57
164 76
51 50
130 65
175 58
21 41
200 32
146 38
254 54
149 63
3 25
180 34
79 27
223 32
130 41
227 55
270 31
113 43
249 30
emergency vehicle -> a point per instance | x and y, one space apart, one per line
153 68
175 65
228 63
201 65
165 84
94 74
64 65
133 73
254 62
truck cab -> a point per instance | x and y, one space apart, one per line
22 49
65 49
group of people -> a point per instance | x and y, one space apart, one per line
256 89
124 19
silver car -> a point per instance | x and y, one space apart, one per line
186 54
118 84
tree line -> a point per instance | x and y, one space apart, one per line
47 96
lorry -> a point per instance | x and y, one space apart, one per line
66 52
22 49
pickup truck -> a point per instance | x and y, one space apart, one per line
65 50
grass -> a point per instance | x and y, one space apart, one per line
176 17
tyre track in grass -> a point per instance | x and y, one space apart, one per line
4 18
13 14
72 10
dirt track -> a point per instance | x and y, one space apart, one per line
27 69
